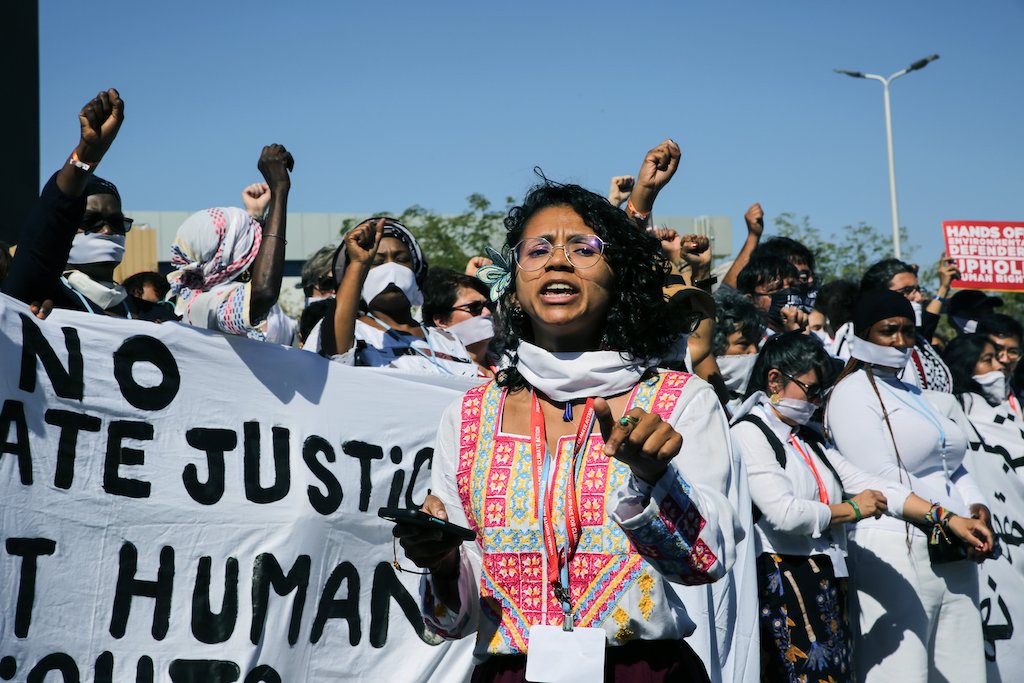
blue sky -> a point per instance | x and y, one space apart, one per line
385 105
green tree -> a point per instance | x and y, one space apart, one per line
846 254
449 241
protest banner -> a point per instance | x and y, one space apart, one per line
178 505
989 254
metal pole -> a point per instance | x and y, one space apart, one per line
919 64
892 172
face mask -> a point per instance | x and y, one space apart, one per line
379 277
795 409
736 371
475 329
995 385
885 356
314 299
92 247
810 295
916 305
964 324
822 336
781 299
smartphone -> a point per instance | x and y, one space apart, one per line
422 519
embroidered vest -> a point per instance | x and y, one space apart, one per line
495 485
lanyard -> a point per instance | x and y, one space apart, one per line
1014 405
923 410
822 491
432 356
544 476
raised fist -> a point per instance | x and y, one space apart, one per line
620 188
275 163
100 119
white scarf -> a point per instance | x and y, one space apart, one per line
103 294
876 354
584 374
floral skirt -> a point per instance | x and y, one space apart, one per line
805 630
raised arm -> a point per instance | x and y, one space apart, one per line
754 218
361 243
46 238
657 169
618 191
268 267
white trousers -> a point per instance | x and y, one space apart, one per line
912 620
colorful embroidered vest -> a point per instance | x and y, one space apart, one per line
495 486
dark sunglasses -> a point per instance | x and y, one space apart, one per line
94 222
475 308
813 391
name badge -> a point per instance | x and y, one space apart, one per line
558 656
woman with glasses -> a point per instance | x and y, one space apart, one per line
380 270
802 491
458 304
981 383
591 478
75 237
916 590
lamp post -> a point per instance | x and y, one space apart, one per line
919 64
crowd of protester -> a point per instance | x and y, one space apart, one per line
821 453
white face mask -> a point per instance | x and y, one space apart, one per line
995 385
885 356
822 336
916 305
92 247
473 330
795 409
736 371
379 277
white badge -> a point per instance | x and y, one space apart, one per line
838 558
558 656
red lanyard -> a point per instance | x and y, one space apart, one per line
573 522
1014 406
822 491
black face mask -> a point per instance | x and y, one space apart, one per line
781 299
808 295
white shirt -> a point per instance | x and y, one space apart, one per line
794 520
440 353
920 420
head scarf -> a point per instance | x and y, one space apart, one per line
213 247
391 229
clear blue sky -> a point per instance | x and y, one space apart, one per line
389 104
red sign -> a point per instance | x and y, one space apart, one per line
989 254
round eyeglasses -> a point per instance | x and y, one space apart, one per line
581 251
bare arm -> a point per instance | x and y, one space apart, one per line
361 246
754 218
657 169
268 267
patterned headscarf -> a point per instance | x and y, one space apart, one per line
213 247
392 228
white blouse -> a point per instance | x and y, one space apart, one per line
921 422
794 521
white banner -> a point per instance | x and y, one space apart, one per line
177 506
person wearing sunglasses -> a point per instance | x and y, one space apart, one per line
458 303
617 448
75 236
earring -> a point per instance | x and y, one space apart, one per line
774 398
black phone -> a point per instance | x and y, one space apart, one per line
420 518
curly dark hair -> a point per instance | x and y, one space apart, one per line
441 290
639 323
734 313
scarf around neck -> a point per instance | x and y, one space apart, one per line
575 375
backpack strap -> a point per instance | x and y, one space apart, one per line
776 444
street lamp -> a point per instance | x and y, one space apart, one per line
919 64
